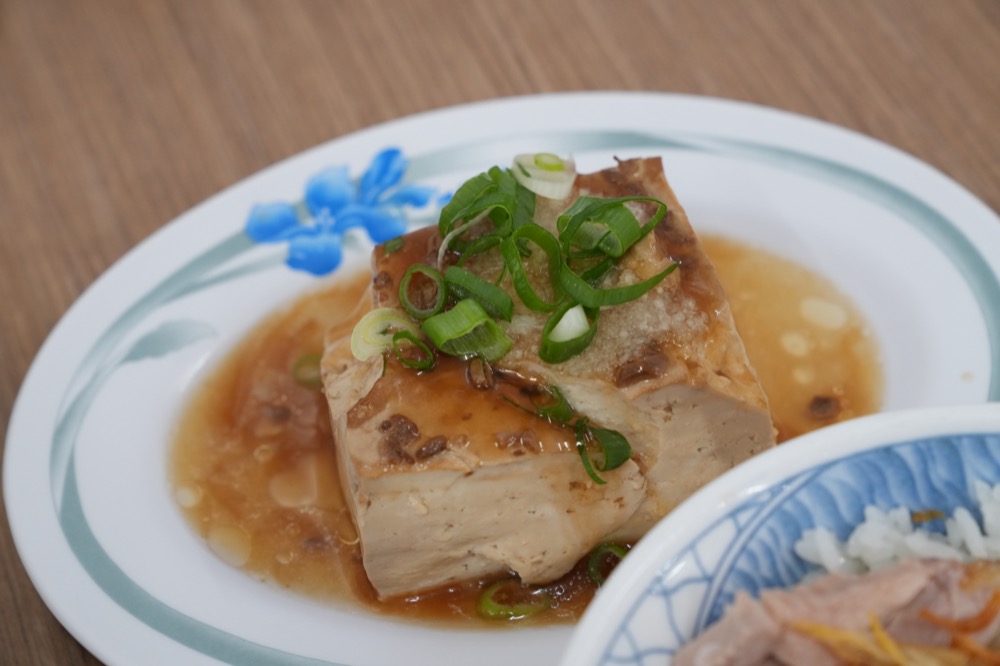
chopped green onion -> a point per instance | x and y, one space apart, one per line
548 403
463 200
508 599
599 558
556 408
614 449
477 246
422 291
510 248
466 330
550 162
393 245
545 174
463 284
592 234
306 371
604 225
599 224
593 297
524 212
493 193
373 333
595 273
588 464
451 238
424 359
569 331
571 324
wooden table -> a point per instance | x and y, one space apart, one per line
118 115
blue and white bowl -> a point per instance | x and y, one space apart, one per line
738 532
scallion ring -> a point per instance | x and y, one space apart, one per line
598 561
551 404
607 226
422 291
596 272
493 193
510 249
393 245
568 331
306 371
594 224
477 246
545 174
404 343
613 449
464 284
593 297
550 162
508 599
373 333
588 464
457 210
466 330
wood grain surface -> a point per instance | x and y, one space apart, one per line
118 115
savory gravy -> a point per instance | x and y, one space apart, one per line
254 472
811 349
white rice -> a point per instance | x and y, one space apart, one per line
887 537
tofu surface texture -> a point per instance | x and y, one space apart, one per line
449 479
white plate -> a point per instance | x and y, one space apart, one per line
84 472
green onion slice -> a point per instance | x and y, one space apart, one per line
464 284
550 162
588 464
463 200
593 297
422 291
551 404
306 371
510 248
466 330
474 247
393 245
607 226
493 193
548 403
568 331
613 449
373 333
545 174
508 599
412 351
596 272
601 557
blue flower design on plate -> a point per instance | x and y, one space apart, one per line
332 204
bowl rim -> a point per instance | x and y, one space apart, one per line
670 535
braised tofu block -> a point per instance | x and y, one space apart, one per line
459 472
449 481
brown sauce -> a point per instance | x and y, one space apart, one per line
254 472
811 349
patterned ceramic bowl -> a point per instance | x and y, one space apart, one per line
738 532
